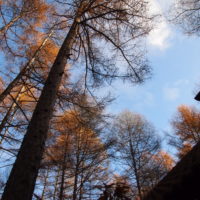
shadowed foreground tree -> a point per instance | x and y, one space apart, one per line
119 24
186 126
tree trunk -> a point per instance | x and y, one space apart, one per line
81 189
56 186
13 109
74 197
135 170
75 185
62 185
21 182
24 70
45 184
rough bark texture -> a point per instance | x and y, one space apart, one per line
21 182
182 182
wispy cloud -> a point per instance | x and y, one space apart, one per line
181 82
136 96
177 90
171 93
160 35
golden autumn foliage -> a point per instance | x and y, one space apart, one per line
165 159
77 153
1 84
158 165
186 147
186 127
19 30
48 52
75 135
33 13
187 123
38 10
72 127
27 98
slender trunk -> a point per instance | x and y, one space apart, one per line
56 185
90 196
75 185
74 197
4 121
45 183
81 188
8 114
21 182
135 170
24 70
62 185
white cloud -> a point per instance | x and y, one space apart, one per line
181 82
174 90
171 93
137 96
160 35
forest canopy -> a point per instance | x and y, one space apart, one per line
57 138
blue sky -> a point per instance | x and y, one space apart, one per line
175 59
